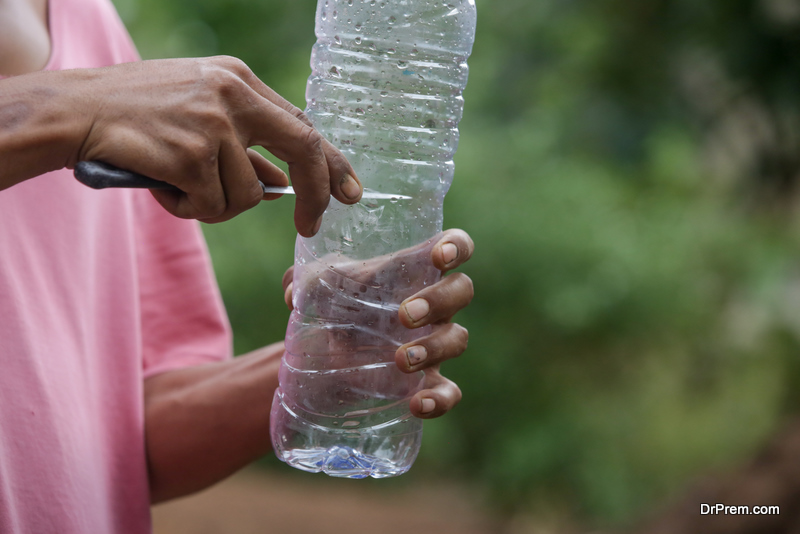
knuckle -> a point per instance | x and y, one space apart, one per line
463 337
216 120
312 141
230 63
255 196
215 208
300 114
457 395
464 285
201 158
208 204
455 342
470 287
226 80
217 75
336 159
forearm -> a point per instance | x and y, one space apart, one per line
204 423
44 118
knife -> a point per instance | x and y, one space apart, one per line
99 175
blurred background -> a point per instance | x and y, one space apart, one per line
629 172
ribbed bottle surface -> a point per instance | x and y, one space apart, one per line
385 88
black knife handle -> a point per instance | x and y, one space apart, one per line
99 175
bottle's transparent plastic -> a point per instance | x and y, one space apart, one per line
385 88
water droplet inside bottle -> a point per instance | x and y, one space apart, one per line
358 26
402 64
337 39
359 111
358 39
392 19
335 72
390 51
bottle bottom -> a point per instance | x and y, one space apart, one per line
343 462
306 442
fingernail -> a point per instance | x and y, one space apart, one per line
449 253
427 405
317 225
416 355
350 187
417 309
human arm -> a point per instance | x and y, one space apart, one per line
203 423
189 122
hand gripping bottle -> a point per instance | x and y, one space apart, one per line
385 88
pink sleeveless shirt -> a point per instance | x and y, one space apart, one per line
98 290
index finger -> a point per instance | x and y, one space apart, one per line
300 146
339 166
315 175
308 152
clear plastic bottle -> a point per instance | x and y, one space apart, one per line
386 84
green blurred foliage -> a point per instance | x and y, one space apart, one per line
625 170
